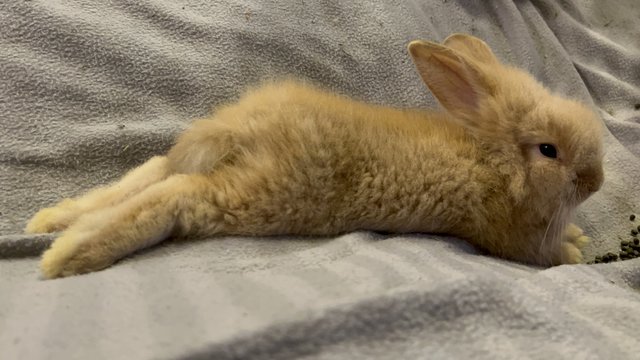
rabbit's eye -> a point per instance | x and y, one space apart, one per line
548 150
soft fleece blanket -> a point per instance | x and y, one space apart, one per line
89 89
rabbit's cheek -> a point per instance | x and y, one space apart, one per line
548 178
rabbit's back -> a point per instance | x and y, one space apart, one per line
291 118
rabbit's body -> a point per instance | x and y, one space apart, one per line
291 159
302 161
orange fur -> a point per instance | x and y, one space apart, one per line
292 159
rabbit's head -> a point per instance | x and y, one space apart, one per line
549 147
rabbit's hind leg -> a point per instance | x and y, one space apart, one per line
176 205
63 214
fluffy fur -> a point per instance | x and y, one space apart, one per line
291 159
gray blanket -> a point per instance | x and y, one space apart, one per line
89 89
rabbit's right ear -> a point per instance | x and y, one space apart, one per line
472 47
456 81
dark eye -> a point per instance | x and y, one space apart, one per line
548 150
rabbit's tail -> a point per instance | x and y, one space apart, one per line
206 144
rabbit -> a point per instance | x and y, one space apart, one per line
504 166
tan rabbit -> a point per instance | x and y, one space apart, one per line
504 168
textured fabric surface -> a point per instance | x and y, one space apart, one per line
89 89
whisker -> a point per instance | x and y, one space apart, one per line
563 217
546 232
559 221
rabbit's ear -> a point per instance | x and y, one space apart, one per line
454 80
472 47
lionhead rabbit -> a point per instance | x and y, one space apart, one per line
504 167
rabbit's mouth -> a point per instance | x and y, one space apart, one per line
583 190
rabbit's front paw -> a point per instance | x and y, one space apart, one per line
74 253
574 235
574 240
571 254
52 219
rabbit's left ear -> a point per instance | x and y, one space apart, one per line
456 81
472 47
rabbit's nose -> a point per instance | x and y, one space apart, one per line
590 179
